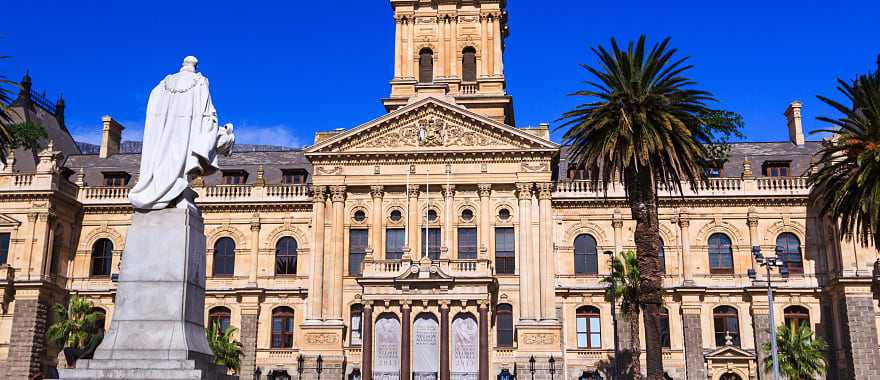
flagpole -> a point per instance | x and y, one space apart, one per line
406 222
427 206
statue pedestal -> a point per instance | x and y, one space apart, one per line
158 328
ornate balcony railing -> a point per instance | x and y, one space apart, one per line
453 267
714 187
95 195
469 88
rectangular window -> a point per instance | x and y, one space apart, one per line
116 179
234 177
357 247
293 176
433 246
356 316
467 243
777 168
505 255
4 247
395 238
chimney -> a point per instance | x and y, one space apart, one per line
59 110
111 137
795 127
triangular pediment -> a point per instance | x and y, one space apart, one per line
430 125
730 352
8 221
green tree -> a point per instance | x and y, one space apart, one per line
6 119
846 177
75 326
800 354
227 351
624 283
645 124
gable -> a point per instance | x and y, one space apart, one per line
431 125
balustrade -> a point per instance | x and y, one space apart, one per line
713 187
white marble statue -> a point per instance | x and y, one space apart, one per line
181 140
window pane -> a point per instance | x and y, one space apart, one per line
357 249
504 251
595 340
433 241
4 247
582 340
594 324
394 241
585 255
467 243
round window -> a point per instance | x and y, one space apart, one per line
360 216
395 216
504 214
467 215
432 215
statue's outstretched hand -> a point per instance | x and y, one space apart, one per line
225 139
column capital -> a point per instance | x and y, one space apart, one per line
684 220
368 304
448 190
337 193
524 190
444 305
255 224
617 223
319 193
412 191
405 305
545 190
752 220
483 304
377 191
485 190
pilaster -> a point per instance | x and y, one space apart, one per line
547 270
27 344
316 278
526 265
484 190
692 328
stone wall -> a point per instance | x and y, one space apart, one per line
693 347
762 337
28 341
860 343
248 345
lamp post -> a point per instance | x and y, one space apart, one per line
319 366
257 373
299 366
616 374
532 366
552 362
770 263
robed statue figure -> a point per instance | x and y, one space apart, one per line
181 140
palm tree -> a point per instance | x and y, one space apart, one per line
5 111
645 124
800 354
75 326
227 351
625 282
846 178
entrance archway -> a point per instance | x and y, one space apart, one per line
386 352
465 348
426 348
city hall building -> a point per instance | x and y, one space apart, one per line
440 240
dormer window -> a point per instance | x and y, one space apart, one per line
234 177
116 179
777 168
293 176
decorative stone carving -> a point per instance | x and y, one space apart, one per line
524 190
485 189
337 193
386 353
413 191
329 170
539 339
377 191
426 348
465 347
545 190
322 339
535 167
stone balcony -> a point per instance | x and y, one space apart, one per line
713 188
94 195
378 269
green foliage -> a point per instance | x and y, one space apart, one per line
6 97
643 114
27 135
625 282
846 178
227 351
800 354
75 324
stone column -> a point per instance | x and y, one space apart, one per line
617 225
376 219
412 222
410 53
249 323
333 293
693 341
752 221
547 261
27 344
484 340
448 200
316 278
498 58
684 223
453 43
489 34
367 342
485 191
441 47
405 350
860 334
397 48
484 45
444 340
255 250
761 326
526 266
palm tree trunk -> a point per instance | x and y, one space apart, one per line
635 349
643 205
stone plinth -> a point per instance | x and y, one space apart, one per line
158 328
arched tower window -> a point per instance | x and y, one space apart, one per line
586 256
282 327
285 256
504 325
224 257
788 247
720 254
426 66
102 257
469 64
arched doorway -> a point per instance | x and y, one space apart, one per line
465 348
729 376
426 348
386 352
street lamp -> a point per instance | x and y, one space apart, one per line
257 373
552 362
532 366
320 366
616 374
770 263
299 366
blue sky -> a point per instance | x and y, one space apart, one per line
282 70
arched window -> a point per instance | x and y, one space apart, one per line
285 256
589 330
796 316
504 325
282 327
426 66
469 64
720 254
220 316
586 256
357 318
100 319
664 328
102 257
661 256
224 257
788 247
726 326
